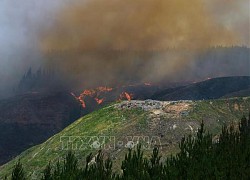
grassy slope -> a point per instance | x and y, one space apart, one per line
110 121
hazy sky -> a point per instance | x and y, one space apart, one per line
21 21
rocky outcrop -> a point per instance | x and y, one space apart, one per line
159 108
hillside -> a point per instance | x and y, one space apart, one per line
161 123
210 89
30 119
44 113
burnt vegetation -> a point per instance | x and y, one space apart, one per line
200 157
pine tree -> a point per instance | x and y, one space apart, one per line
70 166
133 165
47 175
18 172
57 171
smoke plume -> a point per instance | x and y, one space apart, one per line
116 41
112 33
135 25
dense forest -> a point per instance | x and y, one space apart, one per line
200 157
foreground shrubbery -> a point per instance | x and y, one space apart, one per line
199 158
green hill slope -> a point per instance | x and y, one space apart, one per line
116 127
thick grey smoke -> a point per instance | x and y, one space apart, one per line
234 15
99 26
23 22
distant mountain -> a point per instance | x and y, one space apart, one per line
118 126
29 119
242 93
210 89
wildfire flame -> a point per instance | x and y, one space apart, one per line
104 89
99 101
80 100
147 84
126 95
95 93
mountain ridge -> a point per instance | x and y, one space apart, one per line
168 121
209 89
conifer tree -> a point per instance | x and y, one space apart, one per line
47 175
18 172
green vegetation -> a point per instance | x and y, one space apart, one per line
18 173
120 123
199 158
